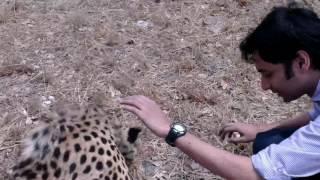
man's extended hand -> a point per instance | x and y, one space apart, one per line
149 112
247 132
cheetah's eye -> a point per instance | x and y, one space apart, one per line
133 134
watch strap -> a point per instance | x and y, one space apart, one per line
174 134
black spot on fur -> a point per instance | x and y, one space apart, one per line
62 128
45 151
75 135
84 130
62 139
119 169
16 175
103 140
94 134
45 176
77 147
97 122
25 163
83 159
87 123
53 164
106 178
78 125
101 151
38 166
62 120
115 176
57 173
99 166
53 139
29 174
71 128
93 159
87 169
56 153
112 147
34 136
109 164
45 131
83 117
74 176
108 153
37 147
66 156
72 168
92 148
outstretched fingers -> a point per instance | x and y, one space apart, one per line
131 108
132 102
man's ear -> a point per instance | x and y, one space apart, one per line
303 60
133 134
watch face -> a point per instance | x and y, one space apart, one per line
179 128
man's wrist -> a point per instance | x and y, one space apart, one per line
165 132
266 127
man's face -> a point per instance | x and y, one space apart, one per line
273 77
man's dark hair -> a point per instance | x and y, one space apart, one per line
281 34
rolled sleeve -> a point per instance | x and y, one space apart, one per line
266 168
313 114
315 111
296 156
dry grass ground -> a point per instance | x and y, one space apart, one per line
182 53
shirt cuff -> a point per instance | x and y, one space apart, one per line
313 114
265 168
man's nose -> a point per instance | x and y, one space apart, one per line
265 84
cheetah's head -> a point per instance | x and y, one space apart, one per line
127 140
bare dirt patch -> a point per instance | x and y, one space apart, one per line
182 53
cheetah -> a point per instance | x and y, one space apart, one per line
78 144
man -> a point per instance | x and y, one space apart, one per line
285 49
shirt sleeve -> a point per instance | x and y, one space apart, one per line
315 111
296 156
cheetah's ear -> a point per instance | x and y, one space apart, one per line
133 134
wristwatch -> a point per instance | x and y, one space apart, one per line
176 130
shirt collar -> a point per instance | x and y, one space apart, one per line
316 94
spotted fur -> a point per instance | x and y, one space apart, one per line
79 144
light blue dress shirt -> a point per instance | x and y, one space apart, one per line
296 156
